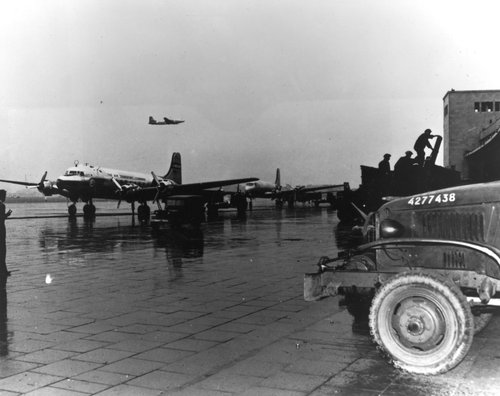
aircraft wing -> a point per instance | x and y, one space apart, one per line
150 193
193 188
290 192
27 184
324 188
46 187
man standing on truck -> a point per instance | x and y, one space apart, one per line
384 166
402 173
384 169
421 143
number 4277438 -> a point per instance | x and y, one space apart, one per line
428 199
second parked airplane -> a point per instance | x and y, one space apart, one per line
263 189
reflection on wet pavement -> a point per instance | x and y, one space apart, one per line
4 333
216 310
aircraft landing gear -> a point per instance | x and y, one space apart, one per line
72 211
143 213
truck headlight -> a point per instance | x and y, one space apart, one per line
391 229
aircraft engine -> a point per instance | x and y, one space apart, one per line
47 188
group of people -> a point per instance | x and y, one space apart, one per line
403 166
404 162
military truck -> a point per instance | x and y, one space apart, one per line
429 270
375 187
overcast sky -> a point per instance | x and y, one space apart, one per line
314 87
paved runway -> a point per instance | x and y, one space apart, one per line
107 308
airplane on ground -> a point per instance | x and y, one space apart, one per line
85 182
263 189
166 121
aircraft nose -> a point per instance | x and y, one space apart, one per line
64 182
60 183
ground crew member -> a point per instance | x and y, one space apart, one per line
4 273
384 166
421 143
404 163
402 172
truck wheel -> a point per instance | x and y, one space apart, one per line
481 320
422 322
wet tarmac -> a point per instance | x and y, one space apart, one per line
108 308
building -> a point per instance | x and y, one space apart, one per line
471 132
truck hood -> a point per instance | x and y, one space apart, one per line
471 194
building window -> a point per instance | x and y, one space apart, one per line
446 110
486 107
483 107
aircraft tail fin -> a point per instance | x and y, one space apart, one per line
175 171
277 182
152 120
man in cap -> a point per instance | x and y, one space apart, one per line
384 169
402 172
384 166
404 163
421 143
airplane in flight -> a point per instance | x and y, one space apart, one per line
166 121
84 182
263 189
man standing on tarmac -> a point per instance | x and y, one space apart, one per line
420 145
4 273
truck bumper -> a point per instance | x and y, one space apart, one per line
319 285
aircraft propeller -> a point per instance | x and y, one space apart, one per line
118 185
45 186
42 181
158 186
118 191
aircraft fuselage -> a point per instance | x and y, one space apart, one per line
259 188
87 181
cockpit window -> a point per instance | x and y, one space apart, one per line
73 173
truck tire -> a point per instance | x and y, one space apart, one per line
422 322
